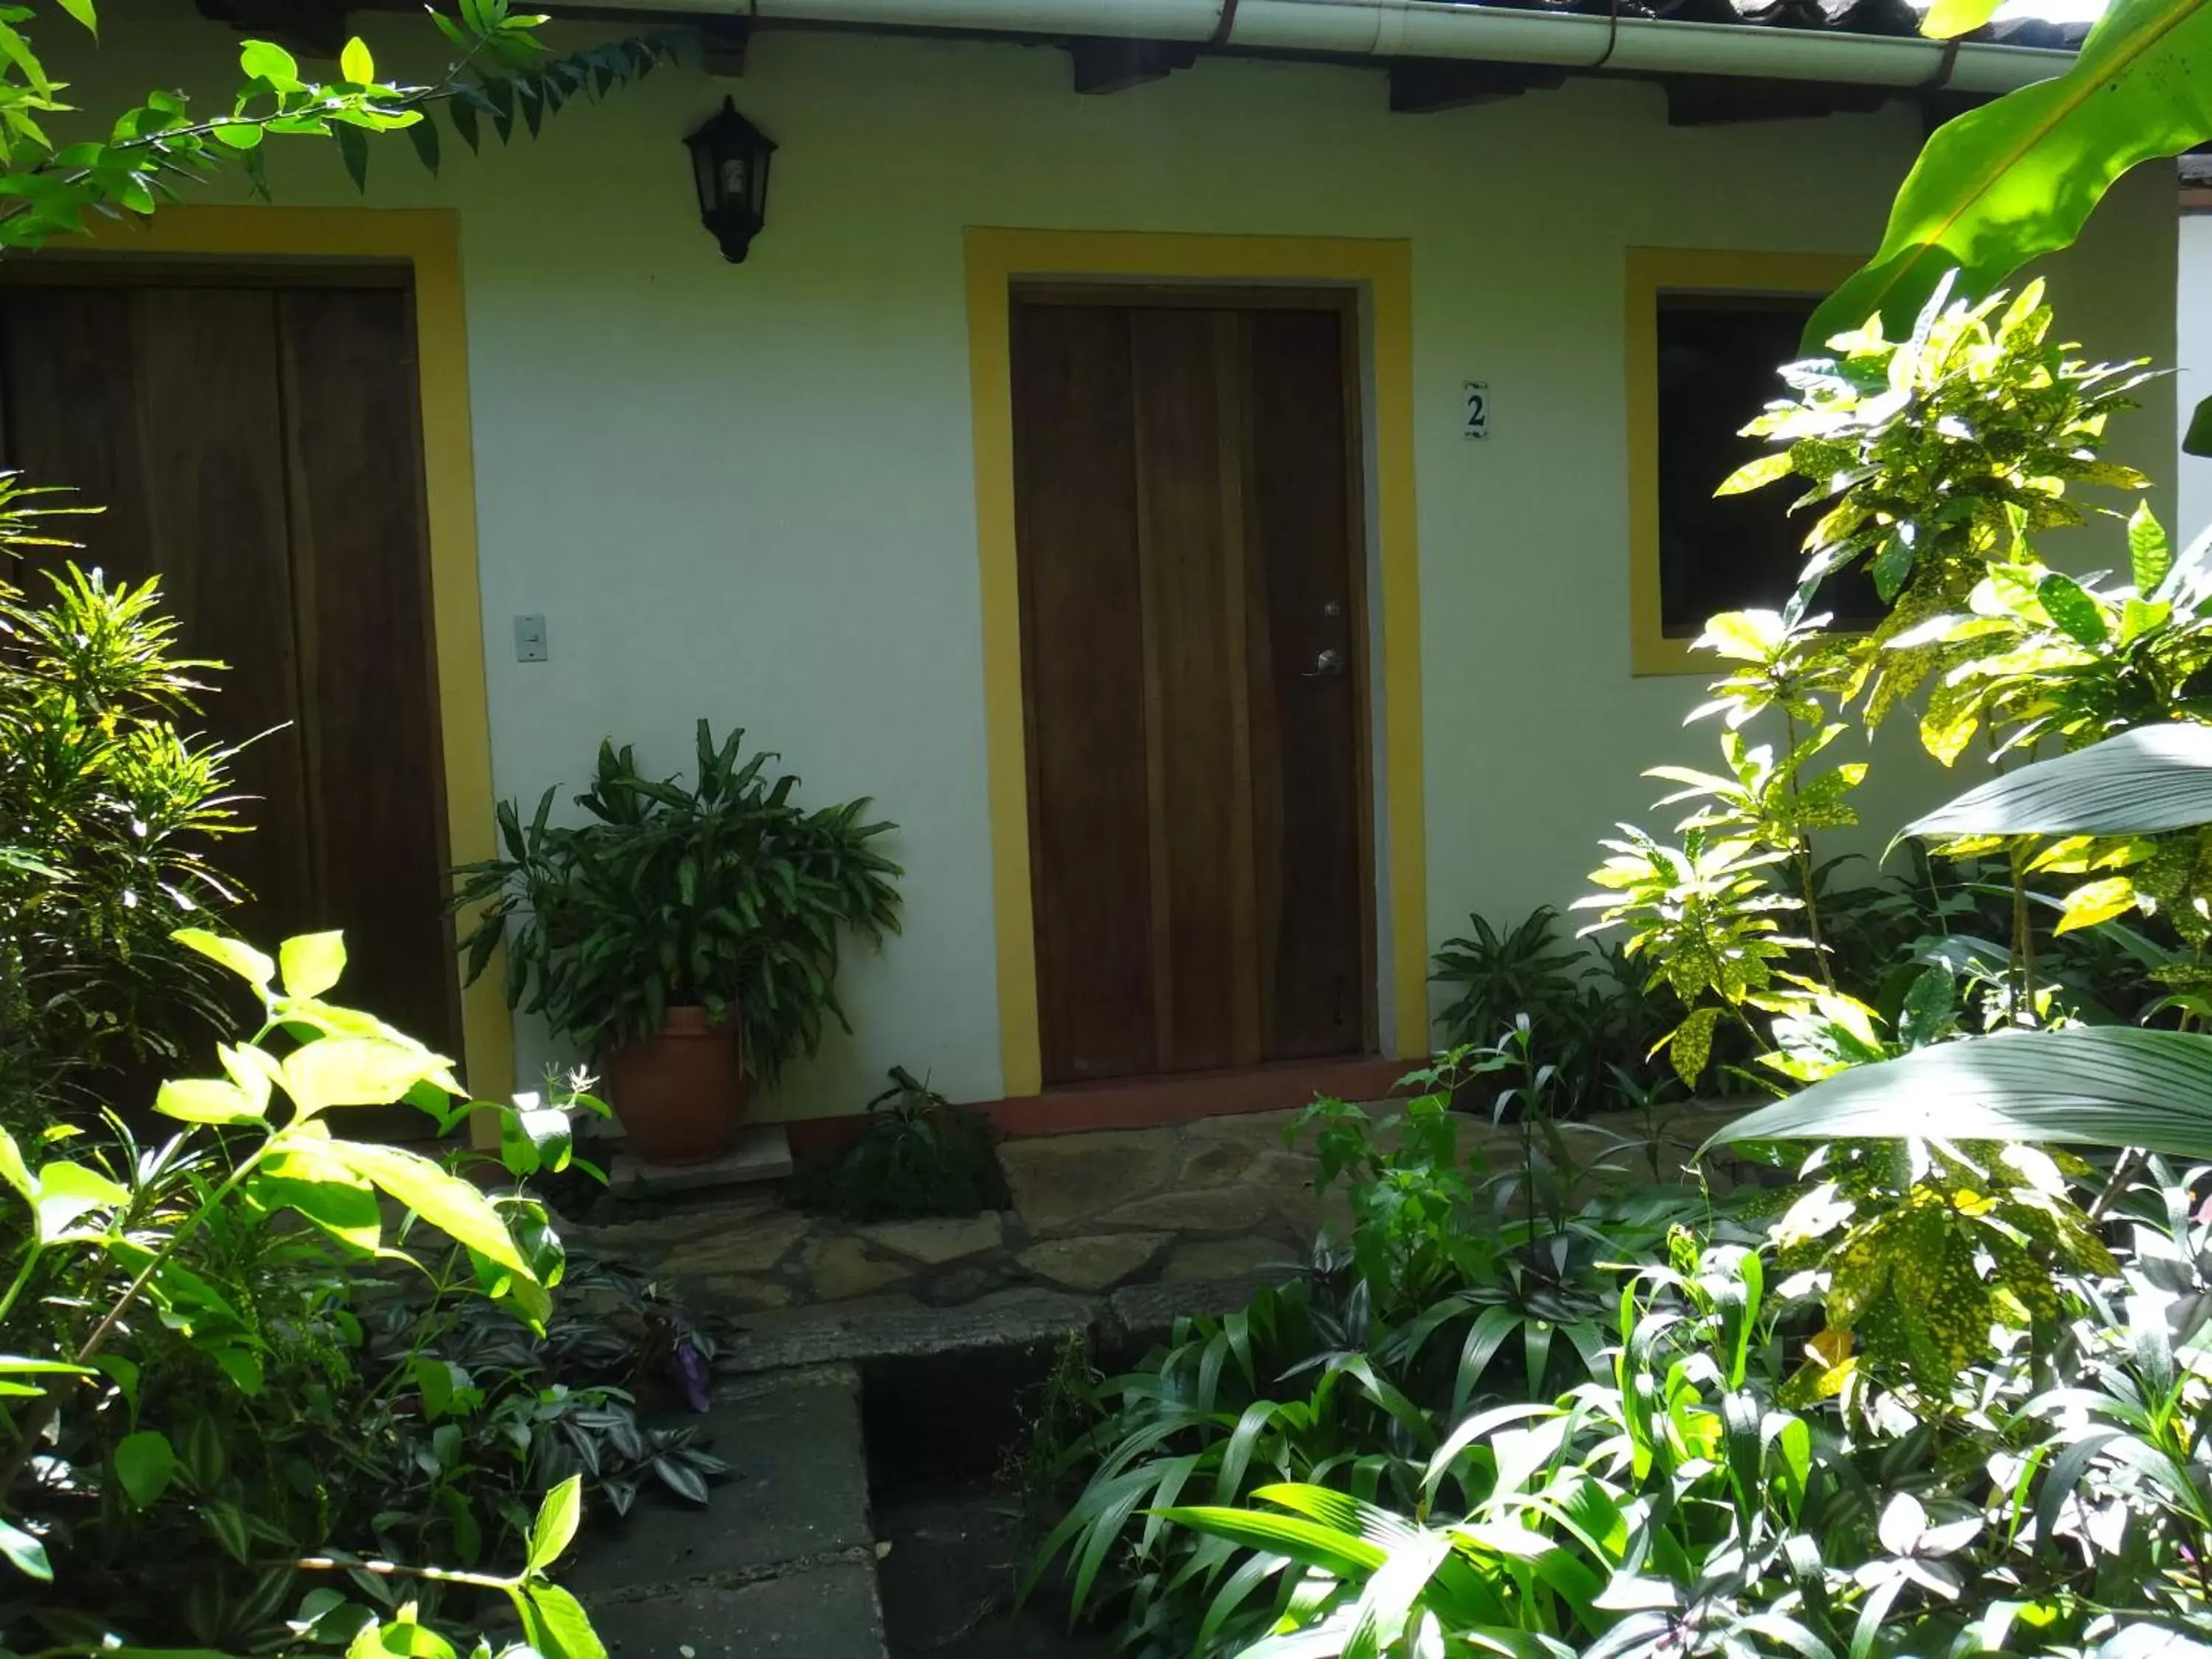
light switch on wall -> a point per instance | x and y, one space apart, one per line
529 638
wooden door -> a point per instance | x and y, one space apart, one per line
255 444
1193 661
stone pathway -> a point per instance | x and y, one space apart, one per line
1112 1237
1209 1206
1218 1199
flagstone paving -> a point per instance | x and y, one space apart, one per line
1222 1202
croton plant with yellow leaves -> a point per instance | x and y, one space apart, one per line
1942 463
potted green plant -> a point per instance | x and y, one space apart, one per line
686 937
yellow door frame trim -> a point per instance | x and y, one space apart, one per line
1653 272
1384 270
429 239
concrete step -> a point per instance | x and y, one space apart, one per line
782 1560
1125 1320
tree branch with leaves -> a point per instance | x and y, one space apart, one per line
501 71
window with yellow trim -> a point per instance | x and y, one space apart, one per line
1711 347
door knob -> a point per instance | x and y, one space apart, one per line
1326 666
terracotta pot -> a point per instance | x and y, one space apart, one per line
679 1094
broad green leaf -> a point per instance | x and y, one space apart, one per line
325 1191
244 1369
1692 1043
424 135
445 1201
145 1463
2103 1085
1743 635
556 1524
1892 565
398 1638
25 1553
1755 475
1310 1542
1948 19
434 1381
2152 778
357 65
68 1191
2096 901
241 958
264 60
206 1100
2001 185
204 1457
83 12
312 962
16 1364
227 1522
561 1618
532 1138
13 1170
253 1069
1379 1620
2070 606
350 1070
124 1373
2137 618
2150 554
353 150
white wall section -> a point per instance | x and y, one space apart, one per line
2193 354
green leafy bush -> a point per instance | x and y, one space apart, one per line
1674 1503
230 1378
110 807
1458 1286
1588 1008
726 895
919 1155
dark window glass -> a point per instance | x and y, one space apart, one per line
1718 354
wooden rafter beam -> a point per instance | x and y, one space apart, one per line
1706 101
1424 86
722 42
313 29
1099 66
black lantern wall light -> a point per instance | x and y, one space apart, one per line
729 163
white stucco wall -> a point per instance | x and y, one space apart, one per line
747 493
2193 353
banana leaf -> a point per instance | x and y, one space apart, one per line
2017 178
2152 778
2102 1085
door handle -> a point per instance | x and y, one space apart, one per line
1327 666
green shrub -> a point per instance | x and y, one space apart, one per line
726 895
110 807
919 1155
1592 1012
1675 1504
230 1376
1457 1288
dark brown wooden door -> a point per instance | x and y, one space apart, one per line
1193 665
256 445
